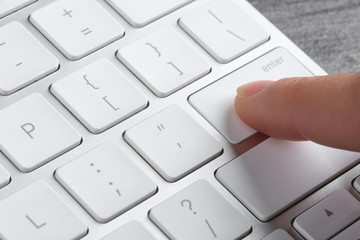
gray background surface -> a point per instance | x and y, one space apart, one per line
327 30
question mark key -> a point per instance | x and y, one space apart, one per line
199 212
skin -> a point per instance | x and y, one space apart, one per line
324 109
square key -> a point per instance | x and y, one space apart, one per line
199 212
105 182
99 95
161 61
37 212
34 133
23 60
224 30
173 143
77 28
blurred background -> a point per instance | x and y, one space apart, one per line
327 30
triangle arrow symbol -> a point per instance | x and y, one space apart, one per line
328 213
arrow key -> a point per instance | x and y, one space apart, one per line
328 217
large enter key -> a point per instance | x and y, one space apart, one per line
218 106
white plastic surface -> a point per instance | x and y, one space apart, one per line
173 143
328 217
142 12
99 95
34 133
4 177
23 59
9 6
132 230
224 30
37 212
199 212
276 174
105 182
77 28
163 61
216 101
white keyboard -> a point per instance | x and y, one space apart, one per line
117 122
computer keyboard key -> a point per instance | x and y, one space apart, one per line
161 61
218 106
99 95
142 12
9 6
276 174
278 234
105 182
4 177
199 212
173 143
76 28
23 60
329 216
356 184
352 232
37 212
224 30
34 133
132 230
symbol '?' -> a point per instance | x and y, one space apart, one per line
188 203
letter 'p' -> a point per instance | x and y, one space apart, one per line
28 128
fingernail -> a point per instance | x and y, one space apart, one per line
252 88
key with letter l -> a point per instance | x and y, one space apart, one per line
37 212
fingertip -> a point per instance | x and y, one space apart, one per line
252 88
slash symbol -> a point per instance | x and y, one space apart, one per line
33 223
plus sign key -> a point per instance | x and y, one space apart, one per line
77 28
